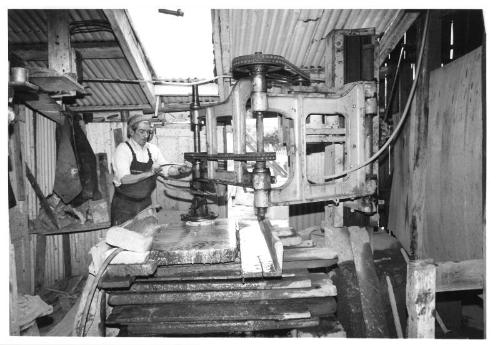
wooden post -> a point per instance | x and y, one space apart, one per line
66 256
14 317
421 298
41 245
61 57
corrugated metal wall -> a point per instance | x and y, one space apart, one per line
39 152
38 137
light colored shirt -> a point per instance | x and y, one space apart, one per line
123 158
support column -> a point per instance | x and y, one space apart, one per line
421 298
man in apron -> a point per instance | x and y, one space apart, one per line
136 164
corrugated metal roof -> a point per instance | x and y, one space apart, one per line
30 27
102 94
296 34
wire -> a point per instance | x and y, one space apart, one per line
403 117
155 81
80 328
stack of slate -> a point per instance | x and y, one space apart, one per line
193 284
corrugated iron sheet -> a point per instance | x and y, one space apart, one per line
39 153
30 26
296 34
106 93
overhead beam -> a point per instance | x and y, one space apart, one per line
394 33
60 56
133 50
87 50
103 108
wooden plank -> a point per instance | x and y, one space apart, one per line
455 228
69 228
46 106
329 58
421 299
13 307
41 245
457 276
87 50
393 35
133 50
16 158
185 244
407 209
217 326
41 197
152 285
320 288
50 80
369 285
298 254
66 256
107 108
221 35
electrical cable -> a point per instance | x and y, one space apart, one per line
80 328
403 117
155 81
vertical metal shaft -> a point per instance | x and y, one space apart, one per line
195 122
260 130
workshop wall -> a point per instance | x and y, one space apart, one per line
38 149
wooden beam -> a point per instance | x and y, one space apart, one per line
393 35
87 50
463 275
60 56
421 298
46 106
132 48
104 108
221 41
41 246
41 197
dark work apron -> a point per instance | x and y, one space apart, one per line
130 199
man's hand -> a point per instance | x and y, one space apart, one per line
156 168
184 169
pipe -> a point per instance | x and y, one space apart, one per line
403 117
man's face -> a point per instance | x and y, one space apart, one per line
141 133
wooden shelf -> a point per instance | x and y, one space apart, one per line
42 230
52 81
24 86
